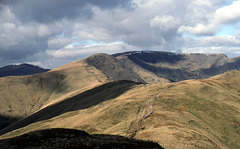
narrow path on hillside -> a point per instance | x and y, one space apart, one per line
143 113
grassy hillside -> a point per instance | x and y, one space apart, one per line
190 114
21 96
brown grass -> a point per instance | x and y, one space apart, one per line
192 114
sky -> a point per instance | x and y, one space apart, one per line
50 33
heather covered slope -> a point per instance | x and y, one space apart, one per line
189 114
153 66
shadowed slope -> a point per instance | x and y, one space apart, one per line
5 121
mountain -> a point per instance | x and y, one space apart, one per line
24 95
20 70
69 138
153 66
187 114
132 94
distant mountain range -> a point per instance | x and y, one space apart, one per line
176 100
21 69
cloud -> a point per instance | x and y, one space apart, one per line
227 44
58 31
76 52
164 22
199 29
229 14
73 51
52 10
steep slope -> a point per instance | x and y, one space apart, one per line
112 68
19 70
153 66
188 114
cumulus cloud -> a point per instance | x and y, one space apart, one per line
228 14
199 29
54 32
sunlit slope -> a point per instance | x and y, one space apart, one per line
189 114
23 95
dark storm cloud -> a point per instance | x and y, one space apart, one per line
46 11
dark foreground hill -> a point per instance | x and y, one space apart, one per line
60 138
20 70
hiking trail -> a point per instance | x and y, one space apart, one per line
143 113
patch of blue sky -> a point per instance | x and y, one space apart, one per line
229 2
226 30
229 29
